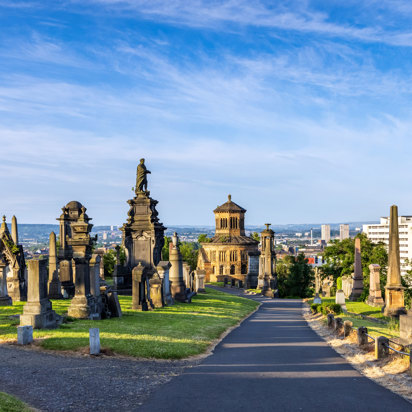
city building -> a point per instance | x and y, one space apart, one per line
325 233
226 253
380 233
344 232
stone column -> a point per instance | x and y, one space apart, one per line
177 284
82 305
186 276
394 291
37 312
375 293
54 281
5 299
253 270
357 289
163 271
14 231
94 265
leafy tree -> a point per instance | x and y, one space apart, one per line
109 260
165 250
203 238
190 253
256 236
295 276
122 254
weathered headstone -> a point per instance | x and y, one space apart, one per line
24 335
156 291
163 270
54 281
94 341
375 293
186 276
357 289
200 281
37 312
340 297
347 286
405 328
317 300
394 291
5 299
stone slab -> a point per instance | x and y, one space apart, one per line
24 335
94 341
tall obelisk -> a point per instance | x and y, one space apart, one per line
394 291
54 281
357 277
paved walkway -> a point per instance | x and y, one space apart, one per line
274 361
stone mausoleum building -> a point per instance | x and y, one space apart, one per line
226 254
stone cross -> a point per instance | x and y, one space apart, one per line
394 291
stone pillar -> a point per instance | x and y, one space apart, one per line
317 281
82 305
394 291
14 231
200 281
54 281
267 237
163 271
5 299
66 278
139 300
253 270
177 284
375 293
186 276
94 265
37 312
357 289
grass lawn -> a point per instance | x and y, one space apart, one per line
9 403
172 332
219 284
389 329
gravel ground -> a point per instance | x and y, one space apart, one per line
51 382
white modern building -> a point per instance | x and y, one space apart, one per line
343 232
325 233
380 233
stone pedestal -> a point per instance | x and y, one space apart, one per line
5 299
156 291
37 312
186 276
253 270
375 293
163 270
139 300
177 284
357 288
54 281
66 278
200 281
267 263
24 335
394 291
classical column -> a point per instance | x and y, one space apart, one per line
54 281
357 277
375 293
394 291
5 299
177 284
37 312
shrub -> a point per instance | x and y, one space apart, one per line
334 308
364 296
314 307
339 283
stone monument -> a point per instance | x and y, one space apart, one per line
177 284
143 236
163 270
54 281
394 291
37 312
5 299
357 277
199 281
13 255
253 269
83 305
375 293
267 260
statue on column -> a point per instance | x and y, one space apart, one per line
141 178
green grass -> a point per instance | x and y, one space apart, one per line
254 290
172 332
219 284
9 403
389 329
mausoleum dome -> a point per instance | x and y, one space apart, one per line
74 205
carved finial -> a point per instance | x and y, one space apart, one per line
4 218
229 198
267 225
175 240
3 225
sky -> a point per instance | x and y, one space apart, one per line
301 110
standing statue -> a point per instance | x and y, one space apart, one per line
141 179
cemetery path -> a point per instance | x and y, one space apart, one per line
273 361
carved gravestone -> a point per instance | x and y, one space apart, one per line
375 293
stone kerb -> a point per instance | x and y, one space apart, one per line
362 334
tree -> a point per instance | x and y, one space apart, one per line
202 238
295 276
256 236
109 260
165 250
190 252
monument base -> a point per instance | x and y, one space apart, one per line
83 307
269 293
178 291
67 289
375 301
156 294
55 290
5 301
395 304
39 315
356 294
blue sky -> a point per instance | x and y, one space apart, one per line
300 109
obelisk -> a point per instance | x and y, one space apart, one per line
14 232
54 281
358 274
394 291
